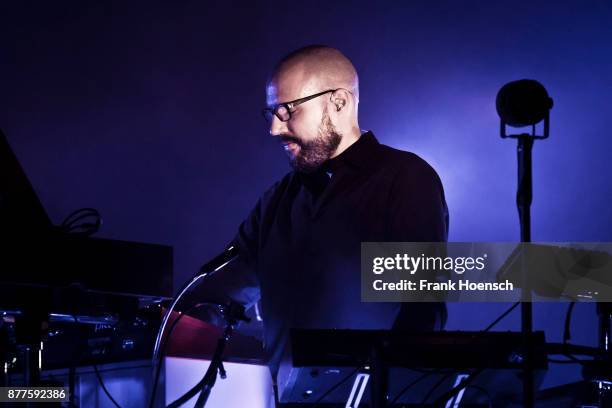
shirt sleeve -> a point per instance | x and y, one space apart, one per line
237 281
417 208
418 213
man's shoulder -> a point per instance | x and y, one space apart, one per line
403 162
279 188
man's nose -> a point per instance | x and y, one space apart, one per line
277 127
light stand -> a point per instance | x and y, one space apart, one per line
519 104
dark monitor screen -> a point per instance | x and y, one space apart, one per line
20 208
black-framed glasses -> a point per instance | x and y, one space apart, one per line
283 110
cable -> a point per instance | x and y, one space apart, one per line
104 387
574 359
456 389
506 313
484 391
228 255
464 383
410 385
164 322
215 363
425 375
333 388
556 361
472 376
233 314
569 361
216 367
434 388
573 349
188 395
160 356
98 376
159 363
71 224
568 320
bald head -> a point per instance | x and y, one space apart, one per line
316 91
316 68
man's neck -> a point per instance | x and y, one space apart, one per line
348 139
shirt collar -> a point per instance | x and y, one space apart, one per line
358 155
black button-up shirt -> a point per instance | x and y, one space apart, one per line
300 245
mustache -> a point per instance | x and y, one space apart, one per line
289 138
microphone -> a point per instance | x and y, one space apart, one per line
228 255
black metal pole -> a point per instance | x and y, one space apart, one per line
380 380
216 366
233 313
523 202
519 104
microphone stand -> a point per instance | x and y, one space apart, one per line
524 196
523 202
206 271
232 314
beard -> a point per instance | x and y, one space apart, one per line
312 154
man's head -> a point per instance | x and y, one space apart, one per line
314 130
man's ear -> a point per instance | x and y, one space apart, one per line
340 99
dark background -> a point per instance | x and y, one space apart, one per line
150 113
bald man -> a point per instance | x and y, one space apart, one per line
300 246
325 86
